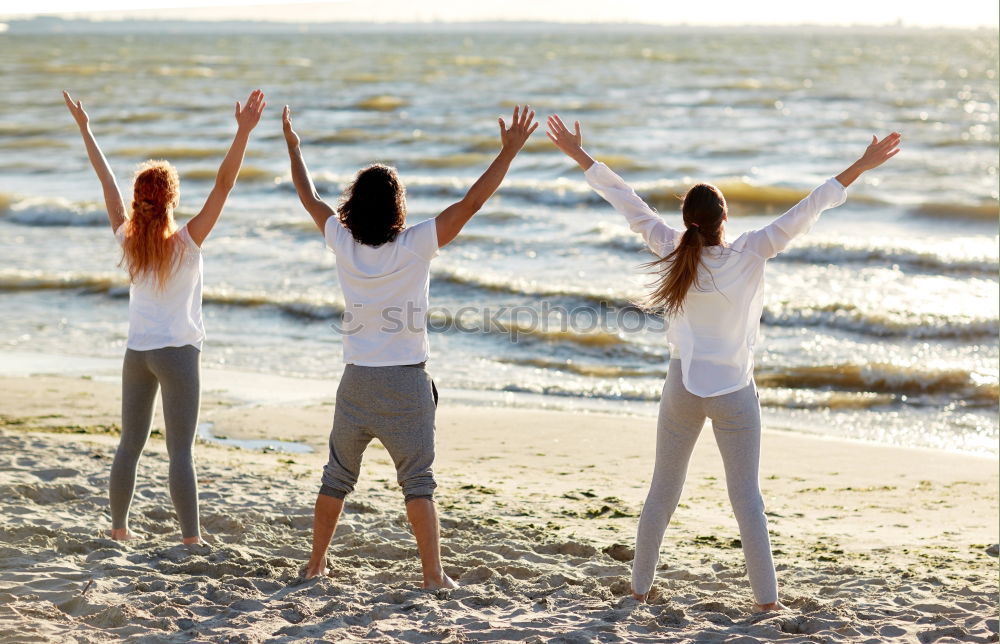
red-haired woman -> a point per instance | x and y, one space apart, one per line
711 293
165 332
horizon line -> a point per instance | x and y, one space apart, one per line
10 19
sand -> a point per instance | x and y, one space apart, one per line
872 543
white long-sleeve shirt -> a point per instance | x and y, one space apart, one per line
715 333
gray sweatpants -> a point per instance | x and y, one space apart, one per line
736 421
394 404
176 372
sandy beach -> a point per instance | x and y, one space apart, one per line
872 543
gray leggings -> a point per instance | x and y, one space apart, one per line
396 405
175 370
736 421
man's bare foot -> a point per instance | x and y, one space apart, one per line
436 584
766 608
187 541
121 534
636 596
316 569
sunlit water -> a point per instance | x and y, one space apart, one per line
879 324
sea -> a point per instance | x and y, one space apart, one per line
880 324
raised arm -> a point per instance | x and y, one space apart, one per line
775 237
453 218
112 197
642 219
247 117
311 201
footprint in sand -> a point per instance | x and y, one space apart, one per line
60 472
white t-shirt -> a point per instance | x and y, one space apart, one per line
170 317
714 335
386 291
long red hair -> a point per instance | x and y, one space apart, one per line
150 248
703 210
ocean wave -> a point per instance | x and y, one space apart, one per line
918 260
343 135
492 144
309 307
50 211
881 378
460 160
883 324
551 192
988 211
833 386
620 239
525 287
247 173
33 142
838 315
598 343
22 130
592 370
744 198
137 117
174 152
12 281
56 211
382 103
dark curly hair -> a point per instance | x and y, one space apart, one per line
373 207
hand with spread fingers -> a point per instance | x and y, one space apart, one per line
522 124
877 153
570 143
247 116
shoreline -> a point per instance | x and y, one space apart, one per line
240 387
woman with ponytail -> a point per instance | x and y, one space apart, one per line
165 332
710 291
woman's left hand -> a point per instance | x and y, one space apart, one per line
76 109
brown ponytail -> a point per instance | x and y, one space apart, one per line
704 209
149 248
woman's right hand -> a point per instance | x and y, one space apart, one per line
76 109
878 152
522 125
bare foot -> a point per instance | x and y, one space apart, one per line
636 596
121 534
187 541
767 608
316 569
436 584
